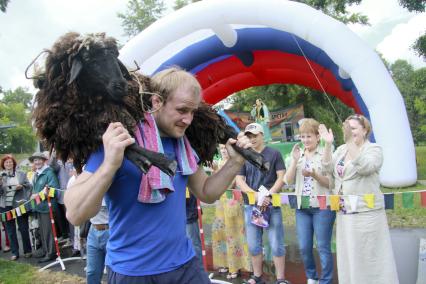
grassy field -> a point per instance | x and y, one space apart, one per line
19 273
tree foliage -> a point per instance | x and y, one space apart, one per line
140 14
413 5
419 46
412 85
3 5
15 111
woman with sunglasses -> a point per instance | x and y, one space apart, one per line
364 248
14 190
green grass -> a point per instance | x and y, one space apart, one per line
12 272
421 162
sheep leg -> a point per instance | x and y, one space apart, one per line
144 159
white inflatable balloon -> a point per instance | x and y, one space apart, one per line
193 23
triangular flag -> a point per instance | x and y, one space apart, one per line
305 201
13 213
18 211
408 199
292 199
237 194
284 199
8 216
187 193
276 199
33 203
23 210
52 192
389 201
369 200
322 202
3 217
353 200
229 194
423 198
37 199
250 196
334 202
42 196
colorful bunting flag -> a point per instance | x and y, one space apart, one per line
369 200
322 200
292 199
284 199
187 193
423 198
229 194
408 200
8 216
237 194
37 199
23 210
389 201
3 217
353 200
276 199
42 195
52 192
334 202
250 196
33 203
13 213
305 201
18 212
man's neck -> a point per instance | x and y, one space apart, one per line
260 148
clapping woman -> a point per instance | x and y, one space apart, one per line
306 172
364 248
15 189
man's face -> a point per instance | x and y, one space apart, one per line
174 116
38 163
256 140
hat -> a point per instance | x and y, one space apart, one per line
37 155
254 128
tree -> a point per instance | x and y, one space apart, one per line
140 14
419 46
182 3
20 95
3 5
15 110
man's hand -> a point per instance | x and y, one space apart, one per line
115 139
243 142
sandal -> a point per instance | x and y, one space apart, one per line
257 280
222 270
233 275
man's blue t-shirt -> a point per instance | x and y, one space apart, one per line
145 239
255 177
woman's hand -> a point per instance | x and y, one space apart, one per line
308 173
296 152
19 187
326 135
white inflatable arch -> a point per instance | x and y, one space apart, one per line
233 45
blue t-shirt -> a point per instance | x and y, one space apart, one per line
145 239
255 177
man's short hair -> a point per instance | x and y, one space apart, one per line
254 128
169 80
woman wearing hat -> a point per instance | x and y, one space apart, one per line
14 190
44 176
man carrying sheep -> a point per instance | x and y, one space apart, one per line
148 242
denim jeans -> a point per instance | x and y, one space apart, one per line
96 251
193 233
275 232
319 222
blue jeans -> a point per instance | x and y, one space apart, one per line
319 222
23 229
96 251
275 232
193 233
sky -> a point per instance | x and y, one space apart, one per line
30 26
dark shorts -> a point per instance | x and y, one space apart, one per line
189 273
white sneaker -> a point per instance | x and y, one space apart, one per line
312 281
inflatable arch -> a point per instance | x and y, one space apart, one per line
233 45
